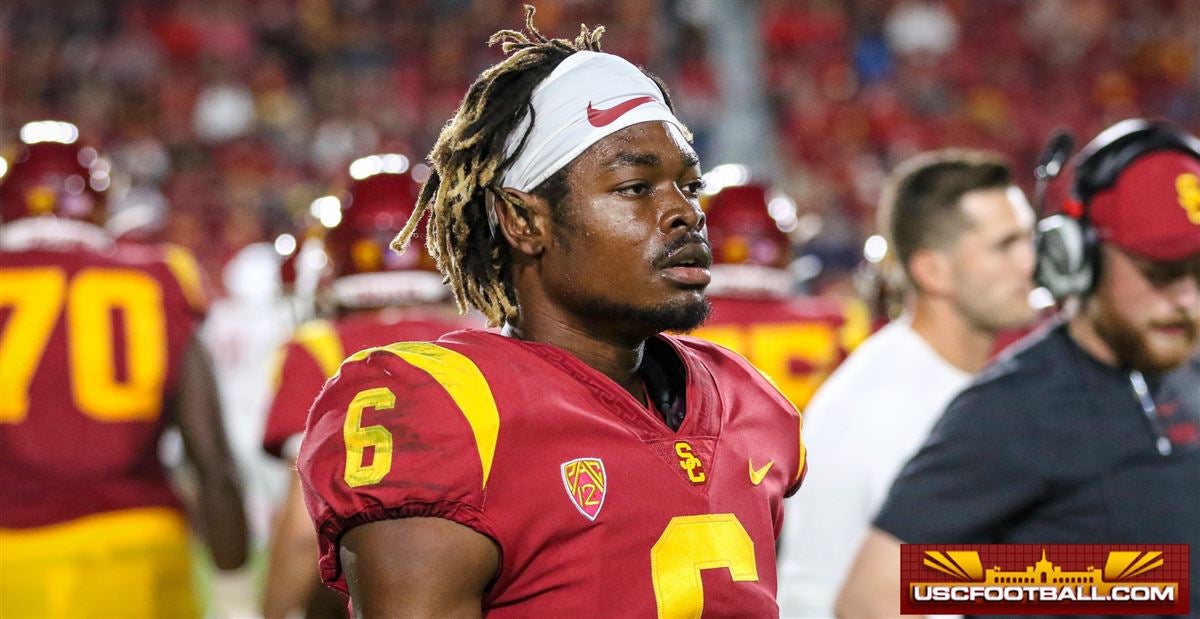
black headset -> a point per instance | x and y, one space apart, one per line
1068 246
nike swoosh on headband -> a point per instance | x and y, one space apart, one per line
601 118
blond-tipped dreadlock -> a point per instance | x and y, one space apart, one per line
469 160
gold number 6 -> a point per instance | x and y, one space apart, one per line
689 545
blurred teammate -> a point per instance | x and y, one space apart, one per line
580 463
795 341
243 334
378 297
963 234
1090 433
98 355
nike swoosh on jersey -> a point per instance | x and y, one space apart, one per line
756 476
603 117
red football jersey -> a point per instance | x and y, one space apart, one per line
597 506
90 343
797 341
318 348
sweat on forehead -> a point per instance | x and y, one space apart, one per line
588 97
627 148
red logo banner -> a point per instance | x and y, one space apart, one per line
1059 579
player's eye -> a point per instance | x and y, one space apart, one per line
633 190
693 188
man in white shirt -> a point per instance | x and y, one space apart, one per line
963 234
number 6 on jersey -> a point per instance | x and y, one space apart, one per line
690 544
359 438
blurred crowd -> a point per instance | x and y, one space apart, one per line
228 118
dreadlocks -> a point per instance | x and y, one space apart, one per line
469 160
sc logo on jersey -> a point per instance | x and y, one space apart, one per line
690 463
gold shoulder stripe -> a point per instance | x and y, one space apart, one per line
183 266
320 340
461 378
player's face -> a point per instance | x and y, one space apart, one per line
632 253
1147 312
993 261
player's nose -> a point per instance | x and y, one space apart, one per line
681 212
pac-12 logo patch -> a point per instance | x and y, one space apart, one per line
585 482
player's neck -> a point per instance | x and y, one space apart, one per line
951 335
616 358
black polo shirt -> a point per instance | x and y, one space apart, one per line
1049 445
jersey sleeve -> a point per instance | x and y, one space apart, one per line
186 274
299 381
976 472
407 430
311 358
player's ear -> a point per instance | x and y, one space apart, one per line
931 271
524 220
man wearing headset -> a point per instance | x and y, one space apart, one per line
1089 432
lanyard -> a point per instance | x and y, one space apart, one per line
1142 391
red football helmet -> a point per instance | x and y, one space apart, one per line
742 230
52 174
381 197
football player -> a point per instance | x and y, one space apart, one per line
797 341
98 355
579 463
376 297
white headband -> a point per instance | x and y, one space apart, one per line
589 96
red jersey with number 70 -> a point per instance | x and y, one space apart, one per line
91 338
597 506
